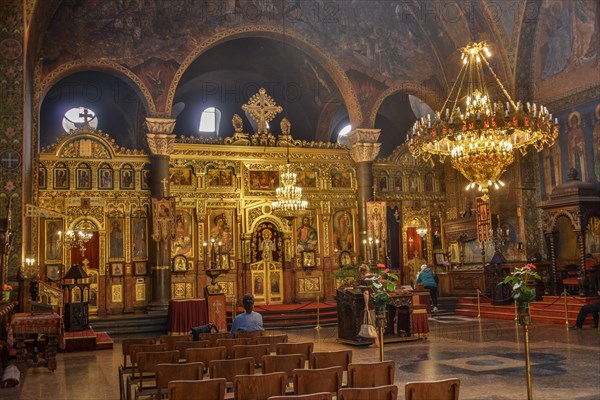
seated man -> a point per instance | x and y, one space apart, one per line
585 310
248 321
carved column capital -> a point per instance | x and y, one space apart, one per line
160 144
363 144
160 139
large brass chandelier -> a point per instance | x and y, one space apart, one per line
478 134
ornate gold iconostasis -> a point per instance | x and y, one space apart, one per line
222 195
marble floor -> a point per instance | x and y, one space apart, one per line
487 356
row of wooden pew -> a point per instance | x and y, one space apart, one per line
178 366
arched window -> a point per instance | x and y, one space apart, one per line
342 136
75 117
209 121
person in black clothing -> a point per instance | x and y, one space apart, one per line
593 308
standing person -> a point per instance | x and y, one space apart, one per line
427 278
248 321
307 236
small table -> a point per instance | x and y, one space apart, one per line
185 314
23 326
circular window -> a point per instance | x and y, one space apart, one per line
75 118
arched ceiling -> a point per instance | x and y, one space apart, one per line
379 44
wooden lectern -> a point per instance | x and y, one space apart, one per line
216 309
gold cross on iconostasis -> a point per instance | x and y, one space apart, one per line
262 109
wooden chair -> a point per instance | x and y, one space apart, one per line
256 351
213 389
172 341
259 387
311 396
325 359
212 337
446 389
282 363
166 373
271 340
308 381
125 349
229 343
133 350
249 335
205 355
125 345
228 369
387 392
371 374
183 346
304 348
145 362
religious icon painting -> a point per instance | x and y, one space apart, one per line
220 230
61 177
184 239
84 177
307 179
382 183
398 183
219 177
53 253
145 178
105 177
139 240
42 178
377 226
263 180
127 178
341 179
140 268
181 176
115 239
117 269
343 231
180 263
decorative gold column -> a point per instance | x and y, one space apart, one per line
364 148
160 142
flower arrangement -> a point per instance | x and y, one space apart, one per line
519 281
381 283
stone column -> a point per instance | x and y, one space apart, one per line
363 150
160 142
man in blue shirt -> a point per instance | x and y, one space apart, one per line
248 321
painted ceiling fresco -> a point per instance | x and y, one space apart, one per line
568 42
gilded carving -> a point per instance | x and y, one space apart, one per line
160 125
160 144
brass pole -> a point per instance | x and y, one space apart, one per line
478 305
527 361
566 308
381 342
516 314
318 314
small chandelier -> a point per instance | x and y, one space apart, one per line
74 239
481 136
289 201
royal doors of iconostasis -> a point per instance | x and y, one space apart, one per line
266 268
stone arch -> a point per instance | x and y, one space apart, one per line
99 65
427 95
330 65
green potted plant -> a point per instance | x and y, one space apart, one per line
381 284
520 281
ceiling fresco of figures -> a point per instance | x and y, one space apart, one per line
353 53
